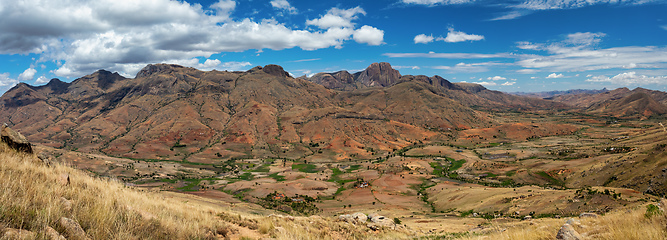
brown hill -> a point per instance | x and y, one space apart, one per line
177 113
585 100
639 103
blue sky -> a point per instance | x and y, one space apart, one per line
519 45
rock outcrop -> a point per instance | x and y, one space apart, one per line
15 140
567 232
72 229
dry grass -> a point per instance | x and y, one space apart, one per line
31 196
30 199
621 224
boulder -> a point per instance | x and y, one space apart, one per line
567 232
354 218
359 217
15 140
52 234
12 233
67 204
73 230
63 179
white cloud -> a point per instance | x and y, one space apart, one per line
448 55
630 78
554 75
27 75
422 38
508 83
337 17
369 35
307 60
584 38
456 36
452 37
469 67
570 4
406 67
284 5
577 52
223 9
436 2
496 78
124 35
509 15
664 27
486 83
41 80
589 59
527 71
6 83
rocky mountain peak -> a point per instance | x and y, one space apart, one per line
275 70
151 69
379 74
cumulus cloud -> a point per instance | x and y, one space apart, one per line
486 83
496 78
423 38
6 81
41 80
369 35
554 75
630 78
284 5
508 83
27 75
125 35
452 37
456 36
337 17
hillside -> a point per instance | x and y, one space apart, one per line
171 112
43 199
636 104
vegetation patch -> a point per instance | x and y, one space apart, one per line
305 167
297 204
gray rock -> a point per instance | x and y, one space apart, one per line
15 139
63 179
567 232
528 217
73 230
354 218
52 234
67 204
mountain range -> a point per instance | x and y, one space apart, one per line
179 113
